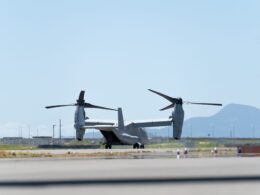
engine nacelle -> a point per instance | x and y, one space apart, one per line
80 132
177 121
79 122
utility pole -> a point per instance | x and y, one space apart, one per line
29 127
19 132
60 128
53 131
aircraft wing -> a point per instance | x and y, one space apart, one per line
99 122
152 123
101 127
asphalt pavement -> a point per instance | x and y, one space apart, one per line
238 175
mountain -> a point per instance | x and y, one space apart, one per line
234 120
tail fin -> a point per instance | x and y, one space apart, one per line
121 125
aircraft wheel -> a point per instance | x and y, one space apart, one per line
142 146
108 146
136 146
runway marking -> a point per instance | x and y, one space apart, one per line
130 181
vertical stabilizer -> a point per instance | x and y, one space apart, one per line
121 125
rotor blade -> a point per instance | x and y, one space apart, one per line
81 95
57 106
87 105
168 107
173 100
207 104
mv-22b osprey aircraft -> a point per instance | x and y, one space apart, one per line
130 133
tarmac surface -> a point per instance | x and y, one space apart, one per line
237 175
127 153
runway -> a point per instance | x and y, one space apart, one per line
130 176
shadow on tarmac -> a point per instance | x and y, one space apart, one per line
130 181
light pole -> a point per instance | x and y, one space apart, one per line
60 128
29 128
53 131
19 132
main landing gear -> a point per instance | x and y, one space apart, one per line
108 146
138 146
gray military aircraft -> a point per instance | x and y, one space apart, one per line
126 133
129 133
80 115
133 133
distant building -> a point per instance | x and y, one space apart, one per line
35 141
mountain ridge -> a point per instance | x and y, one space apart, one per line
234 120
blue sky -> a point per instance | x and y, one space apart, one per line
116 50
